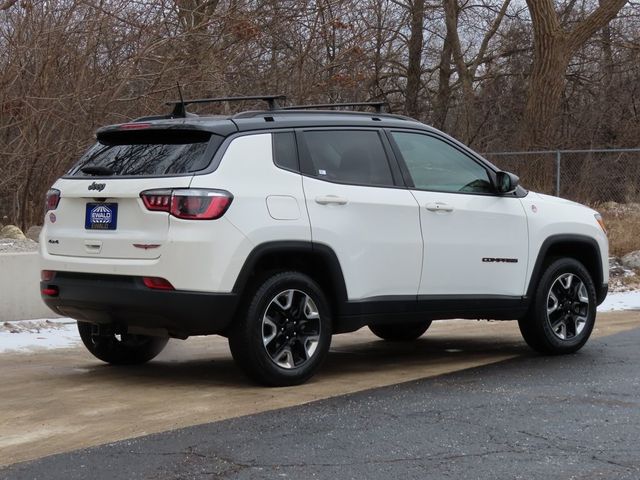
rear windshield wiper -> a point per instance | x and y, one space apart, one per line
98 171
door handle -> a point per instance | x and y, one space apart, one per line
438 207
93 246
331 200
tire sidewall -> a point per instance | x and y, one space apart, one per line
555 270
108 349
270 372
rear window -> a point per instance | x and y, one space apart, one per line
150 153
285 152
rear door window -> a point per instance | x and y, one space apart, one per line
157 153
347 156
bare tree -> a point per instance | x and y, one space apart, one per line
554 47
474 69
414 63
466 69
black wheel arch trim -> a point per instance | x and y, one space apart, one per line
553 240
324 252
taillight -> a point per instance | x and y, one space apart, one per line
200 204
52 199
49 290
157 283
47 275
157 200
189 204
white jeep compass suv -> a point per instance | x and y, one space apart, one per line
282 227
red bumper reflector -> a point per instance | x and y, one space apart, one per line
50 292
157 283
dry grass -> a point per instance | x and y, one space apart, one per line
623 226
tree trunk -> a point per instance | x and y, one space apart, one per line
414 66
607 122
550 61
553 49
443 97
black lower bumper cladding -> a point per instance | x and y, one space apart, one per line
126 301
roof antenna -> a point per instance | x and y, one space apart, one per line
180 109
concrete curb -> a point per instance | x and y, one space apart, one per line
20 288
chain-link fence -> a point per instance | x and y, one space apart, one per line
586 176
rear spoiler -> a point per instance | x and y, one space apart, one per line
151 128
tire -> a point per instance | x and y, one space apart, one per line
125 349
402 332
563 312
283 334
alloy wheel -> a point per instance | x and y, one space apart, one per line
291 329
567 306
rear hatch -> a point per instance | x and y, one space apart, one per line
100 212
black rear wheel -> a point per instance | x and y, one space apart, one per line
284 332
125 349
401 332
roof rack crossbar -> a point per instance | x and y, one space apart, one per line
378 106
179 106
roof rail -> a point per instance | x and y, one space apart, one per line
378 106
180 110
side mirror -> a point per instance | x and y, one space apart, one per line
506 182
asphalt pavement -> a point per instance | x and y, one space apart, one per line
531 417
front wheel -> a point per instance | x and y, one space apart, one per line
284 333
401 332
125 349
563 312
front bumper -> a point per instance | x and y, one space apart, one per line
126 303
601 292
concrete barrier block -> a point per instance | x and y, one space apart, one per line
20 288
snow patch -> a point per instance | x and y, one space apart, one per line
621 301
33 335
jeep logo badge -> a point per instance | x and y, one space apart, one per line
97 186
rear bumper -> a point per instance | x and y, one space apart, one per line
124 301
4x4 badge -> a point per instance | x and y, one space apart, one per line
97 186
